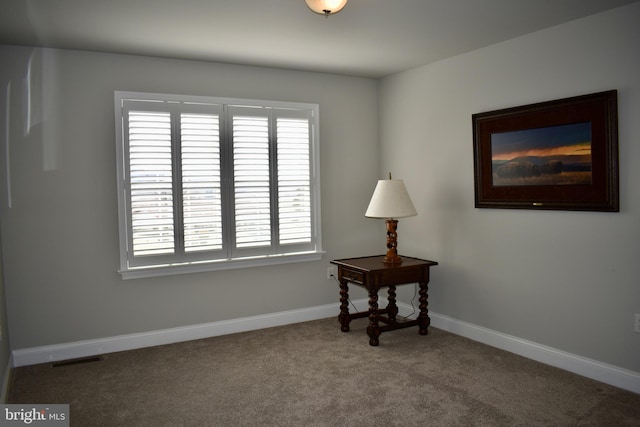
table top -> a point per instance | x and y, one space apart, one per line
375 263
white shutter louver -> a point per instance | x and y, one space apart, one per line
151 185
294 188
201 189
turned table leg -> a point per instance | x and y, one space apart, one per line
373 330
423 317
344 317
392 308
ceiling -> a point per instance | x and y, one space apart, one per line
369 38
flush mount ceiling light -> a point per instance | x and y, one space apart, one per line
326 7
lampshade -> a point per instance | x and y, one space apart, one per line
326 7
390 200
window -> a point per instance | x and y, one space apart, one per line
207 183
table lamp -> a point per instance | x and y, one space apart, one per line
391 200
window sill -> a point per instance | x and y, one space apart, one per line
175 269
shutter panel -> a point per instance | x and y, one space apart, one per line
152 225
294 188
251 181
201 189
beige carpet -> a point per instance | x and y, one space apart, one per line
311 374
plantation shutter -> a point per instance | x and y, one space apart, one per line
163 225
201 183
294 180
251 177
207 183
151 183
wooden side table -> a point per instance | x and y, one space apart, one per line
372 274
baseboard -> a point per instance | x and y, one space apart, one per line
74 350
599 371
609 374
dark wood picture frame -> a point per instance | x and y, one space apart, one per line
521 157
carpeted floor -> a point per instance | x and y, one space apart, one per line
311 374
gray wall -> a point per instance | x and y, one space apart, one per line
5 349
568 280
60 237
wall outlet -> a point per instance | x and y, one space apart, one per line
331 273
636 326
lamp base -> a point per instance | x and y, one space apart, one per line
397 260
392 257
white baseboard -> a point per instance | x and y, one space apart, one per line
609 374
599 371
74 350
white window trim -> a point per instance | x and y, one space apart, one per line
128 272
201 267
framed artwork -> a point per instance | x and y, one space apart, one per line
560 154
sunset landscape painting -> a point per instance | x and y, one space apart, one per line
553 155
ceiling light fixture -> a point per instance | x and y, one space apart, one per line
326 7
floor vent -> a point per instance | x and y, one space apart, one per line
79 361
